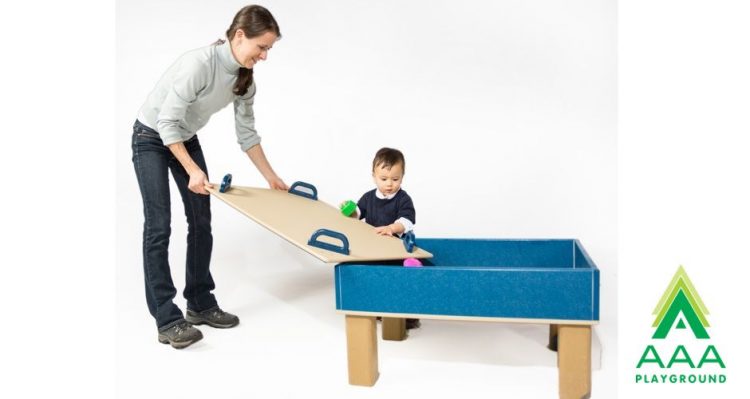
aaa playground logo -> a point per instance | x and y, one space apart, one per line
680 308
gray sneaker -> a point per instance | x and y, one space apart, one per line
213 317
180 335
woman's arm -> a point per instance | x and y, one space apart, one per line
258 157
198 179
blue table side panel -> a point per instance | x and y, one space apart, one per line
568 294
595 294
507 253
581 258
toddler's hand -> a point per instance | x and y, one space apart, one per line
384 230
349 208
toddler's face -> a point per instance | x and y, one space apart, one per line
388 181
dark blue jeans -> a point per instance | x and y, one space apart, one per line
152 161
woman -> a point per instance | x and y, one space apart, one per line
199 84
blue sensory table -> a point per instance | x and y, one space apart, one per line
552 282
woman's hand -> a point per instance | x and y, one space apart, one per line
258 157
199 182
277 184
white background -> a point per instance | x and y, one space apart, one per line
681 200
683 187
506 115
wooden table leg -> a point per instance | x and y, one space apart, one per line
362 350
552 337
394 329
574 361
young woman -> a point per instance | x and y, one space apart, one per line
197 85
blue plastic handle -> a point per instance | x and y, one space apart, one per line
410 241
343 249
226 182
293 190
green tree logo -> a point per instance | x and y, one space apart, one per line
680 298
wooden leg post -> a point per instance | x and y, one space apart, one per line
394 329
362 350
552 337
574 361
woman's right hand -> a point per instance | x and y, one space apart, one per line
199 182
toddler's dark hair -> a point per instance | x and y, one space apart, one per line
387 157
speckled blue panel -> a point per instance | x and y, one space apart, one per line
531 279
500 253
582 260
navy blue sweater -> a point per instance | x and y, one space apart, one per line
382 212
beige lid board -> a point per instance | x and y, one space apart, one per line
296 219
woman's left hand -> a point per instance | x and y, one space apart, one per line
277 184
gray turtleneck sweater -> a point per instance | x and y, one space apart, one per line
195 87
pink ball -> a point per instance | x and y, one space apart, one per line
412 262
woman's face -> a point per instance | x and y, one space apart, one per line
248 51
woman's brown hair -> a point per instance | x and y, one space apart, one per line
254 20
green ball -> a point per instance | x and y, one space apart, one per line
348 207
